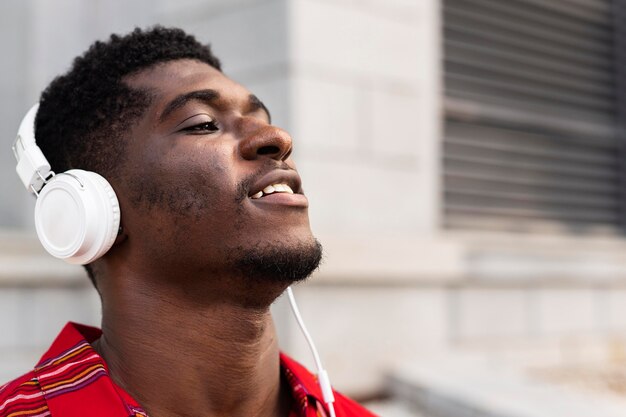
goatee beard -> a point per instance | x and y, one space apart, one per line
279 263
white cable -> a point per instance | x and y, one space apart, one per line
322 375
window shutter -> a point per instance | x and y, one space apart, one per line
531 137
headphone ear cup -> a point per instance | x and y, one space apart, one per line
77 216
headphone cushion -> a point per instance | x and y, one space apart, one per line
77 216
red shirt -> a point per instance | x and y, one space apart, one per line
72 380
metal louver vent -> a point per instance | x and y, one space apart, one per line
531 116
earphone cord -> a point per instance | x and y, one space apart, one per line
322 375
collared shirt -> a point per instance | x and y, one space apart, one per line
72 380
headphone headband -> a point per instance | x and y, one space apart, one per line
32 166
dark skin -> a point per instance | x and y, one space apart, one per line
184 329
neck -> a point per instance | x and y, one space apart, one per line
177 356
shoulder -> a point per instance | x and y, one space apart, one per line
22 397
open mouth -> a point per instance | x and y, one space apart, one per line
279 188
272 189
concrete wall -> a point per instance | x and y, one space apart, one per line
366 97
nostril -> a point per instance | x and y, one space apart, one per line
268 150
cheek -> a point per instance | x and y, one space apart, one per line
183 184
189 203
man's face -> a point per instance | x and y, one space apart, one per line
201 165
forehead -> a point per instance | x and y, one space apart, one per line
169 79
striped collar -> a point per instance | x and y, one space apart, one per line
75 380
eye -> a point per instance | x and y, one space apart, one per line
204 127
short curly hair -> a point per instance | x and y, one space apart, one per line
84 113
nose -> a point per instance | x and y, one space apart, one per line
266 141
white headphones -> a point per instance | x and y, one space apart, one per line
77 215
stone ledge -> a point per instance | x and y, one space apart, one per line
473 259
462 386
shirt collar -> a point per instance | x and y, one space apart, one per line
304 387
75 380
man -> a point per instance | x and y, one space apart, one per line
214 227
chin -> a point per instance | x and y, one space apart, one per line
277 262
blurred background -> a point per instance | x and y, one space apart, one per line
465 163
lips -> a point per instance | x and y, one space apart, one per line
279 187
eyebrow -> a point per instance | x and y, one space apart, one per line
209 96
206 96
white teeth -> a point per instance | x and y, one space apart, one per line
274 188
